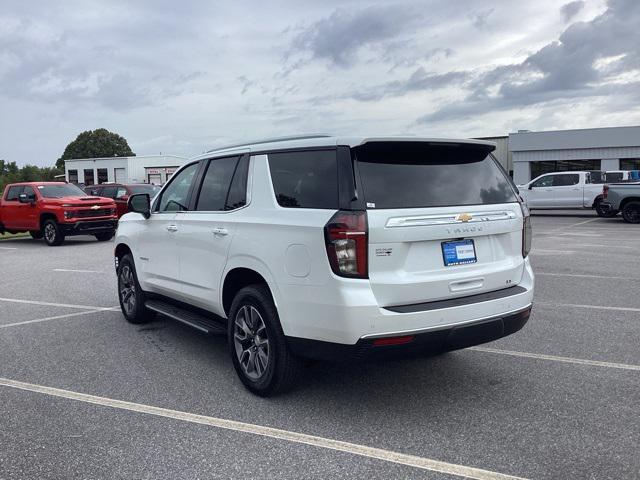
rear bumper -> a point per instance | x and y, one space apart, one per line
89 227
346 311
439 340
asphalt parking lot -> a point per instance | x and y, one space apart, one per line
83 394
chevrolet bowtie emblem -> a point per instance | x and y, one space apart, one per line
464 217
95 207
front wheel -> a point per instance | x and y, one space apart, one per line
104 236
605 212
631 212
52 233
257 345
130 294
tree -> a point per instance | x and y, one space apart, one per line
96 144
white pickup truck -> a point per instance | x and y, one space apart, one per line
564 190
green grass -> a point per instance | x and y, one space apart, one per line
8 236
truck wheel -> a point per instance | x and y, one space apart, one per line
104 236
52 233
36 234
130 294
257 345
631 212
605 212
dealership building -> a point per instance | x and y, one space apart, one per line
536 153
156 169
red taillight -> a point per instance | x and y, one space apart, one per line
381 342
346 237
605 191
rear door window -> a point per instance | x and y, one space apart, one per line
216 185
566 180
306 179
13 193
419 174
108 192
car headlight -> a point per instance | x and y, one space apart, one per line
68 214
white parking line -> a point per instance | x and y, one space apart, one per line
48 304
593 307
276 433
8 248
582 223
579 275
77 271
554 358
58 317
541 251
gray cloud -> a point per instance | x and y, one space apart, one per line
340 36
571 9
563 69
479 19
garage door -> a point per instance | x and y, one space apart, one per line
154 178
120 176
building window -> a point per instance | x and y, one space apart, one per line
540 168
88 177
102 175
630 164
73 176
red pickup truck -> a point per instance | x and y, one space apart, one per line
54 210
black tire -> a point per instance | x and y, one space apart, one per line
36 234
52 233
282 368
631 212
605 212
130 295
104 236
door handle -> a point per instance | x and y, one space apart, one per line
172 228
220 231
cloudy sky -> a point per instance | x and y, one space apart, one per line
180 77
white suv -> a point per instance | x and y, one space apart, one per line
331 248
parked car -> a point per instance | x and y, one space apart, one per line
120 192
55 210
564 190
625 198
330 248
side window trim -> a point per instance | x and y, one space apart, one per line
156 203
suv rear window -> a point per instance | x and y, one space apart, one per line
412 175
307 179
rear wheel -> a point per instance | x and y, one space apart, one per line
605 212
257 344
104 236
36 234
52 233
130 294
631 212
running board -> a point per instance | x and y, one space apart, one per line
199 322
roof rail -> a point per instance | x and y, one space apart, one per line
271 140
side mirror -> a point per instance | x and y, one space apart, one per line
140 203
530 187
24 198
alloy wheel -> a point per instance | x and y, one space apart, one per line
50 232
251 342
127 290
